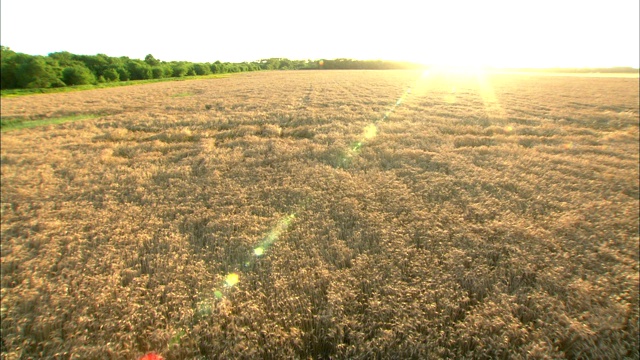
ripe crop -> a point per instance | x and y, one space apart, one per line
320 214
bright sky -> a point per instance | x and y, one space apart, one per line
517 33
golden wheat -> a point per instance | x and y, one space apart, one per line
479 216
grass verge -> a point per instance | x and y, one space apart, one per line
23 92
17 123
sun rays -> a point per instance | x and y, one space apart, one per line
492 106
421 87
449 80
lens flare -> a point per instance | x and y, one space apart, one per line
151 356
451 97
231 279
492 106
371 131
273 235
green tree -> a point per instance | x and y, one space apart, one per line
202 69
111 75
157 72
60 68
285 64
36 73
168 70
123 73
97 64
149 59
9 68
161 71
270 64
78 75
216 67
190 69
179 69
64 58
139 70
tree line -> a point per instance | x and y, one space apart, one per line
23 71
336 64
59 69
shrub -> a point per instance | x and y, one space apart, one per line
139 70
123 73
78 75
202 69
36 73
111 75
157 72
179 69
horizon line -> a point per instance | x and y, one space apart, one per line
413 62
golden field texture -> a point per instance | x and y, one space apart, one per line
319 214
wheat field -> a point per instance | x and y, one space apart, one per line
324 214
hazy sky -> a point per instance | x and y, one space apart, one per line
500 33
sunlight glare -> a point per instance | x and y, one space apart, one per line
273 235
231 279
492 106
370 131
451 97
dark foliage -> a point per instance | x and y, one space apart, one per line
21 71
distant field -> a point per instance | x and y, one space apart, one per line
317 214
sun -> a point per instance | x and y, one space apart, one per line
462 58
459 69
